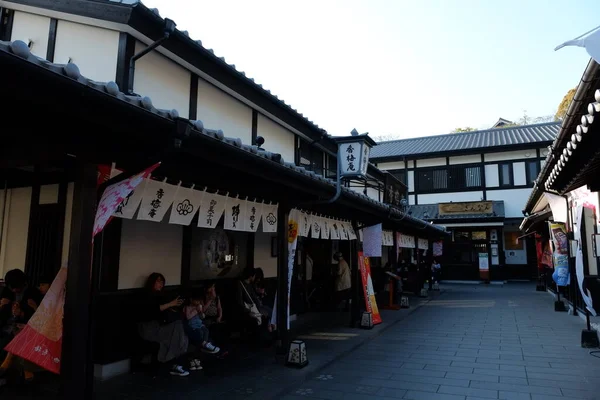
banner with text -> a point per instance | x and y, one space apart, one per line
369 292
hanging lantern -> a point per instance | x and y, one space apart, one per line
353 154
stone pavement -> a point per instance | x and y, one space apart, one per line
473 342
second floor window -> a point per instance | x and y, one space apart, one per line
532 171
310 157
505 174
448 179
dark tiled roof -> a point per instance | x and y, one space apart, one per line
500 137
21 50
429 212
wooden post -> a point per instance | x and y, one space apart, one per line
76 365
282 276
356 279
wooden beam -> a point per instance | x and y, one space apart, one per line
76 368
282 276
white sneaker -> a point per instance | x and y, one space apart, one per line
195 365
211 348
178 370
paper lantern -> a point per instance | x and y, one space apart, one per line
297 354
366 321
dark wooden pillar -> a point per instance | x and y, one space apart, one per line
356 279
76 365
282 276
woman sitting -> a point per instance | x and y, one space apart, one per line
213 315
161 322
257 322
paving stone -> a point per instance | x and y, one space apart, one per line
509 387
414 395
489 394
473 377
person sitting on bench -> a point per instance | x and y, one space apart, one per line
161 322
197 332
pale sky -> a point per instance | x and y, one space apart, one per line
397 67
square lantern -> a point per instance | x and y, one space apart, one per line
353 154
297 354
366 321
404 302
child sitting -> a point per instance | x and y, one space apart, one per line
196 330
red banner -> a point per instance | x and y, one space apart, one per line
365 274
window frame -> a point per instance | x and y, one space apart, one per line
511 178
528 178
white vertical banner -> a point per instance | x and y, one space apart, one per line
156 200
335 229
235 214
305 223
360 235
211 210
351 232
325 228
293 231
343 230
269 218
315 229
185 206
388 238
129 205
253 215
579 267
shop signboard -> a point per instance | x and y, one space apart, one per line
423 244
484 262
406 241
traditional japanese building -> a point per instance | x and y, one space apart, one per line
109 110
475 184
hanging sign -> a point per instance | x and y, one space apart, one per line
423 244
334 230
388 238
211 210
561 253
343 230
315 229
372 240
156 200
127 208
186 204
351 232
305 224
235 214
368 291
269 218
253 215
325 228
405 241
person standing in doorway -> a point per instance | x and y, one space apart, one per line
436 268
343 281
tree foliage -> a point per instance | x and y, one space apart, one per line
564 105
465 129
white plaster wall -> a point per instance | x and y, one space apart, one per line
411 199
94 50
67 228
277 138
514 200
13 248
411 181
410 163
49 194
431 162
374 194
148 247
542 163
544 152
491 176
519 177
450 197
510 155
391 165
469 159
262 254
30 27
165 82
218 110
